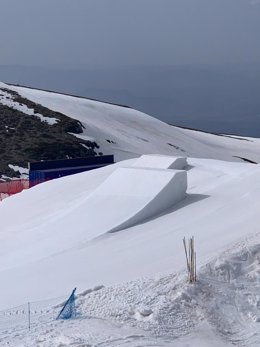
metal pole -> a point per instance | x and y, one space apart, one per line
29 316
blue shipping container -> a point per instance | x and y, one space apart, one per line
47 170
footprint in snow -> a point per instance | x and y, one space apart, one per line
143 314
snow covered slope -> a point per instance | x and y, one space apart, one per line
55 236
41 257
128 133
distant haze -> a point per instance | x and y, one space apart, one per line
190 63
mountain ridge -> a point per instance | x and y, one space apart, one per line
88 127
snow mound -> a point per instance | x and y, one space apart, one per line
225 298
220 310
161 162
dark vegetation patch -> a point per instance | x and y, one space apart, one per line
142 139
111 141
237 138
245 159
212 133
176 147
25 138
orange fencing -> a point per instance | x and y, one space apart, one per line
12 187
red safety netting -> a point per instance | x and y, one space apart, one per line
13 187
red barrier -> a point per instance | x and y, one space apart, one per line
13 187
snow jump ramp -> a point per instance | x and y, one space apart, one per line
130 196
127 197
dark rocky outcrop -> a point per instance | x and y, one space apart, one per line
25 138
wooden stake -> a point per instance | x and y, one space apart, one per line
190 255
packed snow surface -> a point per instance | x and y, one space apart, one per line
146 300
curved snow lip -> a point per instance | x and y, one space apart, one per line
158 161
172 191
131 196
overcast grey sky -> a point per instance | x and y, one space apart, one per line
193 63
104 33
